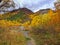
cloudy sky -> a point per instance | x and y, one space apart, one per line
35 5
42 4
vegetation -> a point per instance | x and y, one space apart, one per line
44 28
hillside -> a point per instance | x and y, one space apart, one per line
23 27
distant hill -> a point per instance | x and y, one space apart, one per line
28 12
43 11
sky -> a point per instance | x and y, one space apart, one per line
41 4
35 5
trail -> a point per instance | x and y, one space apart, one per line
26 34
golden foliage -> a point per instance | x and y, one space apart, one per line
50 18
5 23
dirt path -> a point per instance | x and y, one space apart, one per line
31 42
26 34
